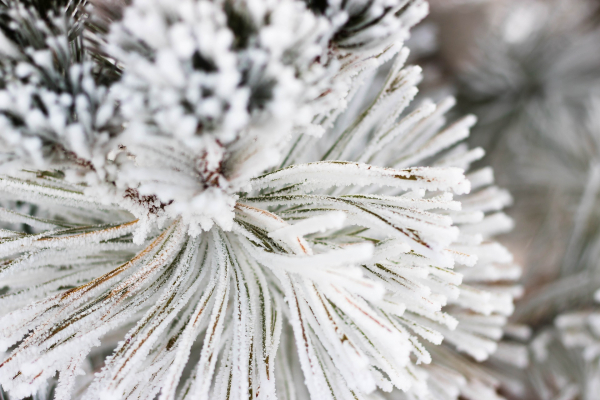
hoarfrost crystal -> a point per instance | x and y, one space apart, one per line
181 189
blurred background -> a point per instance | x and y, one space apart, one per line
530 71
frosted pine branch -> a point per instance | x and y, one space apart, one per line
180 200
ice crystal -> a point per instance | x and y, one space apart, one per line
185 199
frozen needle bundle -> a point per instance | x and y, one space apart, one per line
180 175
